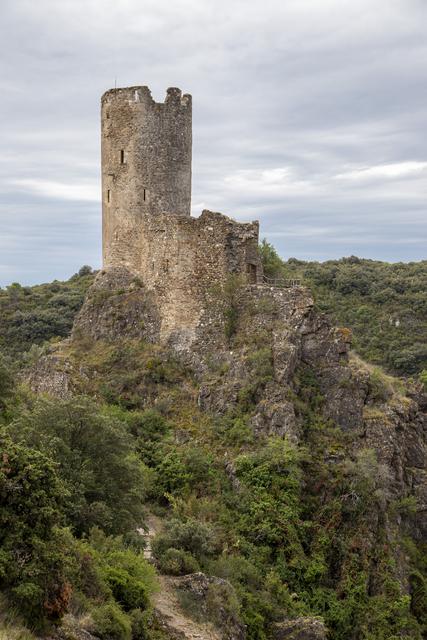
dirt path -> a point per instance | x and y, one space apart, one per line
166 604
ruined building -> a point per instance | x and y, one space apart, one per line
146 202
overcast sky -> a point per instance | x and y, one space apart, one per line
309 115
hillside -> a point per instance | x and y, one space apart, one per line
384 304
280 480
34 315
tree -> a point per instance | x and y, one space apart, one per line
6 382
97 465
32 547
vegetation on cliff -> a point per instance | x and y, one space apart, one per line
34 315
384 304
294 529
291 528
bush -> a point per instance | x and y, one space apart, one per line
177 562
183 472
380 388
110 623
94 453
6 382
127 590
139 625
193 536
32 549
271 262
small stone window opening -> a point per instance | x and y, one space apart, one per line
166 266
122 156
107 114
144 195
108 195
251 273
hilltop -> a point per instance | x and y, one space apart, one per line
281 481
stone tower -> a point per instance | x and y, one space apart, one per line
146 161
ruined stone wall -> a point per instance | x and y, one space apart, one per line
146 159
184 261
147 227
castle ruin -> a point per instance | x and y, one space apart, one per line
146 204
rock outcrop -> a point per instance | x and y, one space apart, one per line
257 365
300 629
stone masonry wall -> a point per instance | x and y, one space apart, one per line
182 260
146 157
147 227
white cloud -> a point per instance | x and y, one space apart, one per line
274 181
90 192
385 171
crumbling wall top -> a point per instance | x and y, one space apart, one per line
174 96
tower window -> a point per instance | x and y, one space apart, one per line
108 195
122 157
251 273
144 194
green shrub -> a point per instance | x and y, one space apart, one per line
127 590
32 549
418 584
380 388
182 472
177 562
102 476
193 536
139 625
110 623
272 264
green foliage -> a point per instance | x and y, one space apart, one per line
384 304
32 548
33 315
269 501
177 562
128 591
6 382
180 473
102 475
192 536
111 623
271 262
418 603
113 584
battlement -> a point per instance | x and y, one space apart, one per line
142 94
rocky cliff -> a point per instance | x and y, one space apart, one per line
265 353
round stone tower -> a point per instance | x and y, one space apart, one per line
146 160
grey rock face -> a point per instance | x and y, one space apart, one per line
300 629
118 305
214 599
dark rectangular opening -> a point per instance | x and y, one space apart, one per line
122 156
251 273
108 195
144 194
